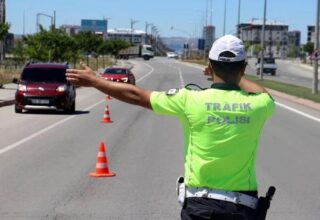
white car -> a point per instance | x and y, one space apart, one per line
172 55
269 66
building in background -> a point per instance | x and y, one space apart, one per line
71 30
276 37
311 34
209 37
129 35
294 38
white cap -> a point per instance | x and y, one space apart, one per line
227 43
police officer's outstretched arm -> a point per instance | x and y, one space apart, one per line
124 92
251 87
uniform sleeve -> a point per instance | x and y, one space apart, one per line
270 105
169 103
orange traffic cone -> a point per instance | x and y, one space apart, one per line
108 97
106 116
102 169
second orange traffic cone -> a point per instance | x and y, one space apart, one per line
106 116
102 169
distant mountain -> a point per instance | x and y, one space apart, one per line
176 43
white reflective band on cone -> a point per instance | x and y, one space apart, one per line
101 154
101 165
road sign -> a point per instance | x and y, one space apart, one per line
201 44
315 55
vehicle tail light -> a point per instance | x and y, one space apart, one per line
61 88
22 88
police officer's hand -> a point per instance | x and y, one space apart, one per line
81 77
208 70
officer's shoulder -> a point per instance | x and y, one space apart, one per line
172 92
261 94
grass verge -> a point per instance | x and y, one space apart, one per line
6 76
298 91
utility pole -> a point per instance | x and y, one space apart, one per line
238 29
315 73
2 21
262 39
38 20
224 19
24 23
132 22
54 19
147 26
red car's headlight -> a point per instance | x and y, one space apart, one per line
124 79
22 88
62 88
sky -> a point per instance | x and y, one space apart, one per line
183 18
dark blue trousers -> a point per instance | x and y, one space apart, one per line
204 208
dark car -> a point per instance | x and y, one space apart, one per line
119 74
43 86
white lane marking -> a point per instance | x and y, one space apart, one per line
298 112
181 78
16 144
179 72
151 71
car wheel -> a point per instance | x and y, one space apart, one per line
17 110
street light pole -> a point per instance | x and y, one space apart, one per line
224 19
238 29
315 70
38 20
132 22
262 39
147 26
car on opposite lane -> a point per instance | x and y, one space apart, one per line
43 86
119 74
173 55
269 65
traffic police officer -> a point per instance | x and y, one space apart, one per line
221 127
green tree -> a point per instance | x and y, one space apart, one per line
308 47
114 46
89 43
19 52
246 46
256 49
53 45
293 51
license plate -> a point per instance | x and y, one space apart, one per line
39 101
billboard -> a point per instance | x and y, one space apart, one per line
94 25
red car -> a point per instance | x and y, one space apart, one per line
43 86
119 74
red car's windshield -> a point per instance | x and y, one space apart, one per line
115 71
44 75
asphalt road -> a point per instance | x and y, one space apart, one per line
45 157
292 72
